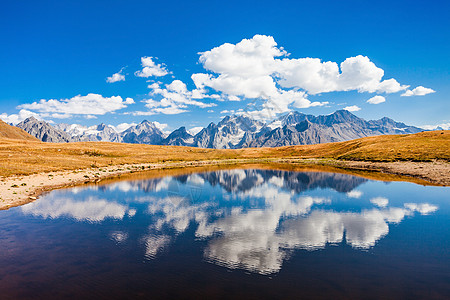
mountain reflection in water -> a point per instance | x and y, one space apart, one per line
249 219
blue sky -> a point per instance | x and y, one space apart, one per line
64 52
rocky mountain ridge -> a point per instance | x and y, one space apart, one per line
232 132
44 131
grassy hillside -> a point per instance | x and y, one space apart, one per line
12 132
28 156
423 146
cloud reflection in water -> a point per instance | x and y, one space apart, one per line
91 209
250 219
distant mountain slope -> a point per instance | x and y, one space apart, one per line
300 129
228 133
144 133
232 132
179 137
101 132
12 132
44 131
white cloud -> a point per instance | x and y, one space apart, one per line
89 209
248 69
91 104
359 73
150 68
380 201
155 244
195 130
154 85
391 86
226 111
418 91
177 86
249 58
253 87
355 73
17 118
258 68
129 100
164 106
445 126
355 194
170 110
175 99
422 208
161 126
376 100
352 108
123 126
116 77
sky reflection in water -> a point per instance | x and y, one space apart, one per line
246 219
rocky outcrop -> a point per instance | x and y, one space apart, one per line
143 133
44 131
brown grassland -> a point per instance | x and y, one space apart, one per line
29 167
24 157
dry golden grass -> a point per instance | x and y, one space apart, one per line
12 132
23 157
423 146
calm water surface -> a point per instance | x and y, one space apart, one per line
250 234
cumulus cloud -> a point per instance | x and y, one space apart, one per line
91 104
380 201
174 99
90 209
355 73
116 77
376 100
161 126
258 68
355 194
422 208
151 69
19 117
249 69
352 108
418 91
390 86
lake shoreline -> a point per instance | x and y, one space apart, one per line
19 190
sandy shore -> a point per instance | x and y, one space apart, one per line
19 190
436 172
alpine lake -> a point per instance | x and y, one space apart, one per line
245 233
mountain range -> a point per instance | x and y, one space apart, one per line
232 132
